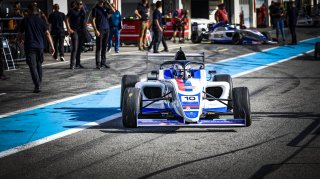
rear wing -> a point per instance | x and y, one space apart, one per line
174 54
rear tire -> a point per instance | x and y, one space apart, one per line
131 107
127 81
226 78
267 35
237 38
317 51
195 38
241 104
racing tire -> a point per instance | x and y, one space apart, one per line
126 82
241 104
226 78
317 51
267 35
131 107
237 38
195 38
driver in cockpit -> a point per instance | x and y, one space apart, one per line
179 71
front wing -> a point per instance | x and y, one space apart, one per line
201 122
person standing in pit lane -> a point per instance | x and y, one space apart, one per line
34 29
56 20
292 21
157 27
76 25
100 15
142 12
2 76
115 27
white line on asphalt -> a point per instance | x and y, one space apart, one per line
110 118
2 94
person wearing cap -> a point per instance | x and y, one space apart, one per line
34 29
100 23
56 20
76 25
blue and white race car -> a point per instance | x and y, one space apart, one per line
221 33
179 94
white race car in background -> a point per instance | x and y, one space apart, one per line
179 94
233 34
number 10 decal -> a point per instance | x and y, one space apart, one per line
189 98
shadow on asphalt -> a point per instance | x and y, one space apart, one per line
314 126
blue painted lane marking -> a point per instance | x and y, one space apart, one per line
29 126
247 63
32 125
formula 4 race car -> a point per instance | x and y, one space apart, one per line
220 33
180 94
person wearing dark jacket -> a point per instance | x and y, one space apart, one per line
34 29
56 20
2 76
76 25
292 21
157 27
100 23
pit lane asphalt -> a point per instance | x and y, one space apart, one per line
282 142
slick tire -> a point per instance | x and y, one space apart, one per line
317 51
132 100
267 35
195 38
237 38
126 82
241 104
226 78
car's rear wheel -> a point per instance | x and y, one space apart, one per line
195 38
241 104
317 51
237 38
267 35
127 81
132 100
226 78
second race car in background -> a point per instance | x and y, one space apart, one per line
229 34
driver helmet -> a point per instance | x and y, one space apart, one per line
178 71
188 71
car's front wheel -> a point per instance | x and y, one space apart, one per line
132 101
126 82
241 104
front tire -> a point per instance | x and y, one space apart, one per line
241 104
132 100
127 81
226 78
